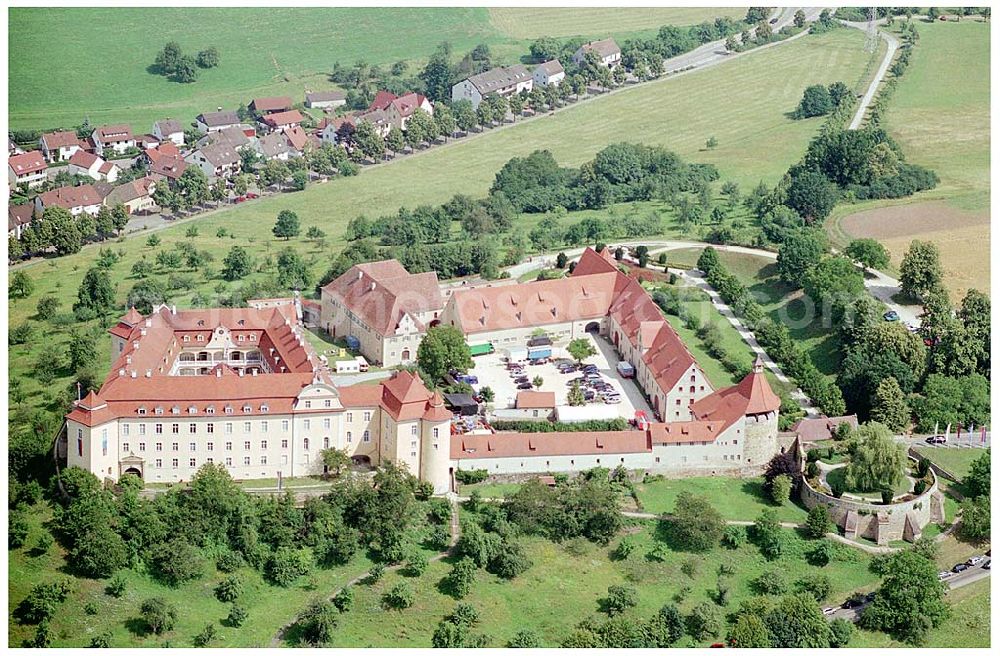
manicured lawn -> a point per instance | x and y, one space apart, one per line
838 474
734 498
565 584
731 340
489 490
954 460
968 627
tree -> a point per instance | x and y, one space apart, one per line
285 566
186 70
815 102
818 521
975 526
399 596
800 18
889 406
444 120
620 598
977 482
158 614
920 271
576 397
395 141
958 401
812 195
146 294
465 115
525 639
443 349
369 141
287 225
318 623
21 285
781 489
168 58
801 251
461 578
208 58
705 621
841 632
96 295
237 264
437 74
796 621
878 461
708 261
65 231
869 252
818 585
834 281
420 128
749 632
756 15
909 602
695 524
335 461
767 534
581 349
292 270
666 627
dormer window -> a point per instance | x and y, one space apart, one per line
264 407
142 410
210 410
240 338
309 404
159 411
247 408
175 410
201 338
187 338
253 338
327 403
229 409
192 410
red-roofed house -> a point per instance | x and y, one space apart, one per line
399 109
77 200
19 217
382 305
281 121
26 169
83 163
272 105
59 146
116 138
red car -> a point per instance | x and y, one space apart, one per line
252 195
240 199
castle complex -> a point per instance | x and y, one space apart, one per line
243 387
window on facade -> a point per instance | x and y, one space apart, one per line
210 428
246 446
124 446
435 433
229 462
246 461
159 446
350 417
192 462
159 463
174 463
367 416
326 442
192 428
210 446
124 429
349 437
284 425
327 403
263 444
174 446
192 446
229 446
326 422
175 428
284 444
159 429
142 429
142 447
305 443
307 424
263 460
367 437
413 429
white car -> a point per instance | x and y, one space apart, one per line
975 560
943 575
830 610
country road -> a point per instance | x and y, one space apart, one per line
892 44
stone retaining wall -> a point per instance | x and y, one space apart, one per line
903 520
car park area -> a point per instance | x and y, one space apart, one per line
510 371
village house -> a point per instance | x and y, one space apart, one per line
548 73
330 132
529 406
236 137
135 196
384 307
83 163
60 146
26 169
281 121
501 81
78 200
168 166
218 160
273 146
381 119
325 99
110 140
19 218
169 130
607 50
298 141
215 121
399 109
263 106
13 148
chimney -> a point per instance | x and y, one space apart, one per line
360 274
149 323
218 372
173 309
254 373
133 374
372 288
121 372
149 373
241 373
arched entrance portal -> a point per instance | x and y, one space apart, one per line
406 354
593 327
133 471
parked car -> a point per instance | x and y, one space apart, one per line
854 601
943 575
975 560
239 199
986 565
961 567
830 610
524 386
891 315
936 439
250 194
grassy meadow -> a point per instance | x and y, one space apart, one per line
940 116
955 461
264 51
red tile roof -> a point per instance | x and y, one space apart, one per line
84 159
752 395
70 197
408 103
680 432
61 139
544 400
272 104
537 303
120 132
380 293
513 445
283 118
592 262
297 138
27 163
381 101
170 167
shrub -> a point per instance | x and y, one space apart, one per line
919 487
841 632
117 586
439 537
705 621
449 635
41 602
237 615
818 585
781 489
690 567
460 579
734 536
229 589
770 582
818 521
206 636
91 608
17 531
620 598
510 561
812 470
318 622
821 554
285 565
101 640
726 569
376 573
887 495
399 596
471 476
178 561
158 614
525 639
625 547
424 490
416 564
464 615
229 562
344 599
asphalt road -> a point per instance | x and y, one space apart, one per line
892 44
954 581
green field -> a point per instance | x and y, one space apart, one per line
954 460
564 586
735 498
264 51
